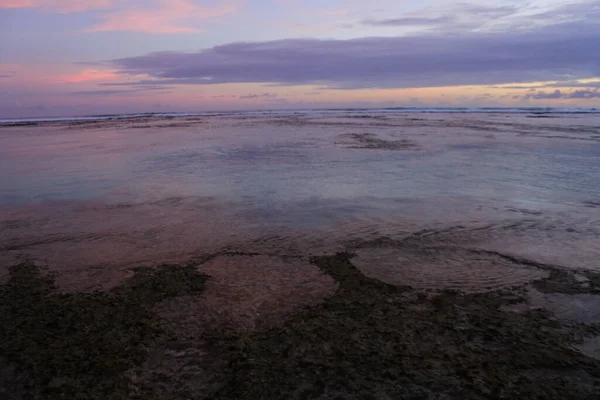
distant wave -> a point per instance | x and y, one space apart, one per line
96 117
488 110
518 110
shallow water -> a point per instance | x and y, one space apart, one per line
92 198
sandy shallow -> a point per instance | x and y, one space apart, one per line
250 292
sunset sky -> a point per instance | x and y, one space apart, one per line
80 57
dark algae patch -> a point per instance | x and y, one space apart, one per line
371 141
376 341
369 340
80 345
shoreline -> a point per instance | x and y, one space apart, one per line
535 111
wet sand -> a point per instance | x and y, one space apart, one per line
301 257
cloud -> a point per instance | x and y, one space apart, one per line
584 94
177 81
259 96
460 16
559 84
158 16
170 17
557 94
573 84
86 75
407 21
563 51
61 6
114 92
483 10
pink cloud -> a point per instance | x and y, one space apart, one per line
162 16
62 6
86 75
168 18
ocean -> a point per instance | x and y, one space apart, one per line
391 253
93 196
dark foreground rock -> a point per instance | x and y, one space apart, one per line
369 340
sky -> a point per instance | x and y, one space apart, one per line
84 57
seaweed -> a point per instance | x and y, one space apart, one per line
79 345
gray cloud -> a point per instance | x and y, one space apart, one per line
482 10
463 15
7 74
410 21
587 12
557 94
113 92
259 96
277 100
560 52
520 87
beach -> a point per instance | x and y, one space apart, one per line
364 254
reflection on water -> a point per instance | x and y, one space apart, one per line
94 198
445 268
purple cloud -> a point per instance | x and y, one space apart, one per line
585 94
563 51
557 94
